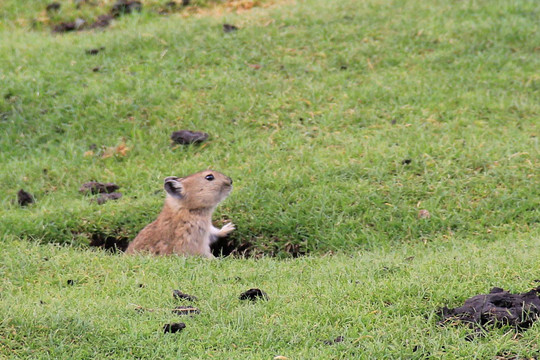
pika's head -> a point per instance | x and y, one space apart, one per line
202 190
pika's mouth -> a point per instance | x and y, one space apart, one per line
226 188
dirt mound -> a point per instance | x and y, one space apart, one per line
498 308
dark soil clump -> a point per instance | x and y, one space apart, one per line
229 28
253 294
103 198
65 27
406 162
186 310
24 198
498 308
94 187
94 51
335 341
178 295
186 137
173 328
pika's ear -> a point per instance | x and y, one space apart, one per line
173 187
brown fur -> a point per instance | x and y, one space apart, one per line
184 226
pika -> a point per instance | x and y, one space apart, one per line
184 226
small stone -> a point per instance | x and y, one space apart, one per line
424 214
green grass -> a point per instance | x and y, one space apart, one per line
315 141
384 303
315 150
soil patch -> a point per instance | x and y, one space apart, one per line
498 308
253 294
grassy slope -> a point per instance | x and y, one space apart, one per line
314 139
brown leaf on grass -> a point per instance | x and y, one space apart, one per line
255 66
120 150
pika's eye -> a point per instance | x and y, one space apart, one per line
209 177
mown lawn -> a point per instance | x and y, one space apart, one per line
340 123
384 303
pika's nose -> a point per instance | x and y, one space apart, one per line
230 180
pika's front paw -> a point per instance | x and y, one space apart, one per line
226 229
